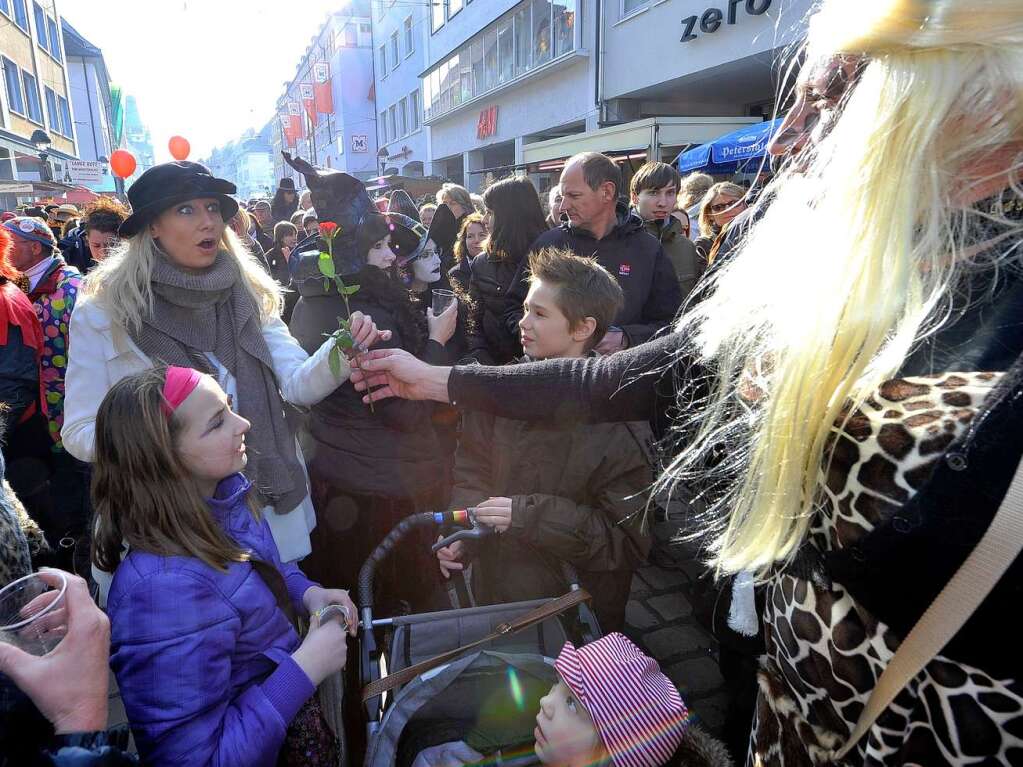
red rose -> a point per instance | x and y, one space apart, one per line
328 228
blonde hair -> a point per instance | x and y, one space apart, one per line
692 188
816 310
707 225
122 282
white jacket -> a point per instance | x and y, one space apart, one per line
100 355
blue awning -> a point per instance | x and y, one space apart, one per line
730 152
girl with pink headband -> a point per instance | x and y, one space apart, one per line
203 612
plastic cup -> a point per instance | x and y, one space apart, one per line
442 299
32 612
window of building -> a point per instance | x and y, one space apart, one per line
365 35
410 40
383 127
51 29
5 7
395 51
348 36
383 61
15 100
403 116
392 122
413 110
40 19
65 117
479 77
20 14
439 10
628 6
51 108
523 45
454 6
464 75
505 51
35 109
542 48
490 57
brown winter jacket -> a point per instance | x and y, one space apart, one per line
578 495
680 250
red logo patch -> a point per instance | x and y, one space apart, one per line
624 270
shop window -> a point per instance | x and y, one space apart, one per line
541 32
478 75
453 79
465 74
490 57
35 109
564 26
15 100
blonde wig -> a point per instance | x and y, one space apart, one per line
855 260
121 283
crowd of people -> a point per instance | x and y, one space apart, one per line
215 409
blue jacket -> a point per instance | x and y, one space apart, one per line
202 657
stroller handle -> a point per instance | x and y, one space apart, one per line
386 546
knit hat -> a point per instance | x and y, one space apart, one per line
30 228
638 713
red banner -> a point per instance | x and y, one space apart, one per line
322 94
295 120
308 101
289 139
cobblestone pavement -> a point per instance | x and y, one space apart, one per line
659 618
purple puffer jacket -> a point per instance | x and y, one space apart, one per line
203 658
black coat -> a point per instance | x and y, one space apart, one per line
391 451
636 259
493 337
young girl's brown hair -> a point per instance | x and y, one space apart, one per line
143 494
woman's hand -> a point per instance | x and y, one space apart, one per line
495 512
442 326
68 684
317 597
396 373
365 333
450 557
323 652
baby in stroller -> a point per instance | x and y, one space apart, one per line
611 706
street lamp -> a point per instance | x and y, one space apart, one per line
41 141
382 155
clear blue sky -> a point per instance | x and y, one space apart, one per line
202 69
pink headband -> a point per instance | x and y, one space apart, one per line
179 384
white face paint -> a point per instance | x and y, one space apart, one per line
426 268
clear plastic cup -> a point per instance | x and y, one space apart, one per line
33 616
442 299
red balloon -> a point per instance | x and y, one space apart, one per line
122 163
179 147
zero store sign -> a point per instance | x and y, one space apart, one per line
711 19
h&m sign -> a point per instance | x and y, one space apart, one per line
710 20
486 126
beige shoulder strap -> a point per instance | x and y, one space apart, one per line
960 598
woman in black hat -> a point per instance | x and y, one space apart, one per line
183 290
285 201
369 469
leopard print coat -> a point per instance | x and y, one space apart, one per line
825 652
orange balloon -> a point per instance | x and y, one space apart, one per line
122 163
179 147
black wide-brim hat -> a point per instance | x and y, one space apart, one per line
169 183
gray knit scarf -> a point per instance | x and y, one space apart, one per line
195 314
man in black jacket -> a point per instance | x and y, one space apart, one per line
601 227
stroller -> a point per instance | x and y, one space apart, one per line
510 658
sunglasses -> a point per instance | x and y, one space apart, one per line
721 207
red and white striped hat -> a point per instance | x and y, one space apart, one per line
637 711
